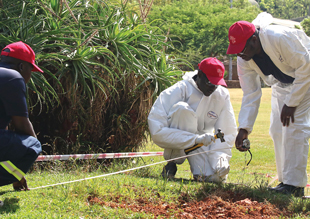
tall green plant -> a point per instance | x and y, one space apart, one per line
103 66
23 24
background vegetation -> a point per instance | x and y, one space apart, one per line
199 28
286 9
298 10
103 68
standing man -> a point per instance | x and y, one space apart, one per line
19 148
280 56
185 116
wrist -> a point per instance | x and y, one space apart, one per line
243 131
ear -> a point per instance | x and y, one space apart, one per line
20 67
254 39
200 73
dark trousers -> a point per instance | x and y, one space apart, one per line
19 150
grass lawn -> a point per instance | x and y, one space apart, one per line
263 161
74 200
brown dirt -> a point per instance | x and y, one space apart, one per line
210 207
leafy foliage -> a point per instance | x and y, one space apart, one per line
306 25
23 25
102 66
199 29
286 9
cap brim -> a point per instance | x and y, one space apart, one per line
235 48
217 81
36 68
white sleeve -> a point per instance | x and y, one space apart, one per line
251 87
161 133
294 52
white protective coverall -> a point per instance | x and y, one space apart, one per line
289 51
181 113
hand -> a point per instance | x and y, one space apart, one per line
21 185
243 134
205 139
287 114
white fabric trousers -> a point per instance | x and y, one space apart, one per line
290 143
214 166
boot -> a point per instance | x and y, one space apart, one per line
169 170
290 190
276 187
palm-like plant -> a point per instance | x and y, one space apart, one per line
19 25
101 65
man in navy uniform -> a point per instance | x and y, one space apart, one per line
19 148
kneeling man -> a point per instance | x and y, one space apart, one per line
185 116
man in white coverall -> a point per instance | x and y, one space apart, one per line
185 116
280 56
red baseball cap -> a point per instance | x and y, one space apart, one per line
22 51
214 70
238 34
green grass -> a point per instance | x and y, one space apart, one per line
72 200
263 161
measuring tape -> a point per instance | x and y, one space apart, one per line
97 156
123 171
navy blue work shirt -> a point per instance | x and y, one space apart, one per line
12 95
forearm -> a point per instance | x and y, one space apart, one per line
22 125
249 109
173 138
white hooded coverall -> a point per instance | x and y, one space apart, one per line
289 51
181 113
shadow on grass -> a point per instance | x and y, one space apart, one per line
10 205
4 192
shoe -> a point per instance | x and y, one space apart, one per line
200 178
210 179
169 170
290 190
276 187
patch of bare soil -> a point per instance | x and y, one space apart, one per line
210 207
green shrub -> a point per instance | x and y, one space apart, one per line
306 25
199 29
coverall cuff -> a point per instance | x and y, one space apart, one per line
249 130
